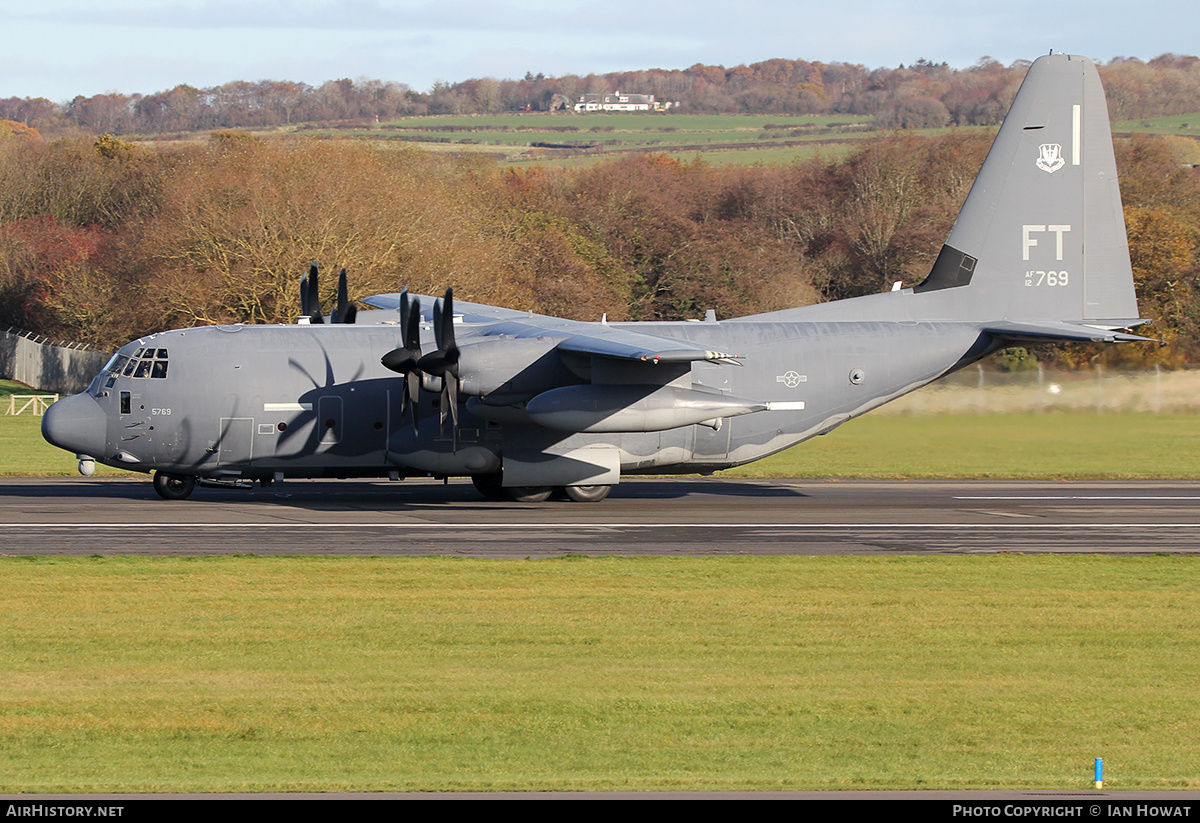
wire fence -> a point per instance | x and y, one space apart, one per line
47 365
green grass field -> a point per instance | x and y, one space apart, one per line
723 139
314 674
23 452
1075 446
1187 125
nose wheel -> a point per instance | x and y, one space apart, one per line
173 486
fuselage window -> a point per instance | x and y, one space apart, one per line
126 402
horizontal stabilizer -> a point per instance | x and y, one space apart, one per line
1043 331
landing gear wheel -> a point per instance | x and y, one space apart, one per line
587 494
528 494
489 485
173 486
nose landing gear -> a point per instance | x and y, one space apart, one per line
173 486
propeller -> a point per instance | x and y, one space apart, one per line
440 363
404 359
310 299
443 363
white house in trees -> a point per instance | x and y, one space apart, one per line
618 101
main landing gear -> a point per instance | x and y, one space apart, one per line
173 486
587 494
491 487
180 486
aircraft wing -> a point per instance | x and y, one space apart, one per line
478 311
577 337
626 346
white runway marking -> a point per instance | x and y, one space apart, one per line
1071 497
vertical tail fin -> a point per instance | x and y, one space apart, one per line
1041 236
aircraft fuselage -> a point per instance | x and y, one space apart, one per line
257 402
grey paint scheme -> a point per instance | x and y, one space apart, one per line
540 394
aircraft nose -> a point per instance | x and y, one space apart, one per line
77 424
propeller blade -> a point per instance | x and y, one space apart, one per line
313 307
402 310
304 295
411 330
342 308
437 323
412 383
412 343
450 393
446 331
445 360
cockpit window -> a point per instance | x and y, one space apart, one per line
143 363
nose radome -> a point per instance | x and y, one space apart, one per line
77 424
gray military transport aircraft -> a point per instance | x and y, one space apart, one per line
538 404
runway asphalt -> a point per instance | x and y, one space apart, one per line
691 516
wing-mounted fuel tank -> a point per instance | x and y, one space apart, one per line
633 408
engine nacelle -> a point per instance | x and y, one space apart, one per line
510 364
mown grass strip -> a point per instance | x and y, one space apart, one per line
1025 446
249 673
